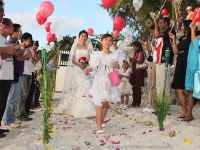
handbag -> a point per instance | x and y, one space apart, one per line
144 65
196 91
114 77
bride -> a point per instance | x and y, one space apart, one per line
74 99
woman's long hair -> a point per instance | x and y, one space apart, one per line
139 45
187 29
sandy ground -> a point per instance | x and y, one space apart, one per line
123 131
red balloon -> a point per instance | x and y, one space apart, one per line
115 34
90 32
47 26
46 9
192 16
41 20
50 37
164 12
197 17
108 3
196 10
118 23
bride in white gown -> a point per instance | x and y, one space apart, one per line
75 100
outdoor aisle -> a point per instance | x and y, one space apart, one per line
122 130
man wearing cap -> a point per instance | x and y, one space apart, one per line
189 11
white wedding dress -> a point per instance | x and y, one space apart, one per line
76 102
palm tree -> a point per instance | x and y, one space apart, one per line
140 21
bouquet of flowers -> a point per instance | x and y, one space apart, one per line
83 60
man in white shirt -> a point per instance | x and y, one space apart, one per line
152 51
20 112
7 68
29 99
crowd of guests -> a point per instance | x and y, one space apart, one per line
163 38
19 88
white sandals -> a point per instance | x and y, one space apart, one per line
103 125
100 132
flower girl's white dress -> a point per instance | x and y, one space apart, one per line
102 64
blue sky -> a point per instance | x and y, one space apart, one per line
71 15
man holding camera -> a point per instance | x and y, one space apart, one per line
152 51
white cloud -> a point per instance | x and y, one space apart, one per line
63 5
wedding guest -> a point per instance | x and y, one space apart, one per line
29 99
151 69
180 19
172 22
9 49
137 75
7 68
20 112
38 70
160 68
115 47
125 87
52 66
189 12
15 90
178 84
192 67
52 63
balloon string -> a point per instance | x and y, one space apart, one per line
38 30
161 8
36 34
24 9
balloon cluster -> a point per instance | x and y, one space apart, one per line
127 41
45 11
118 24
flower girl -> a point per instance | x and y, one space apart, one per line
125 87
102 91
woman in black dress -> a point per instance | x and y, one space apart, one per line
178 83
